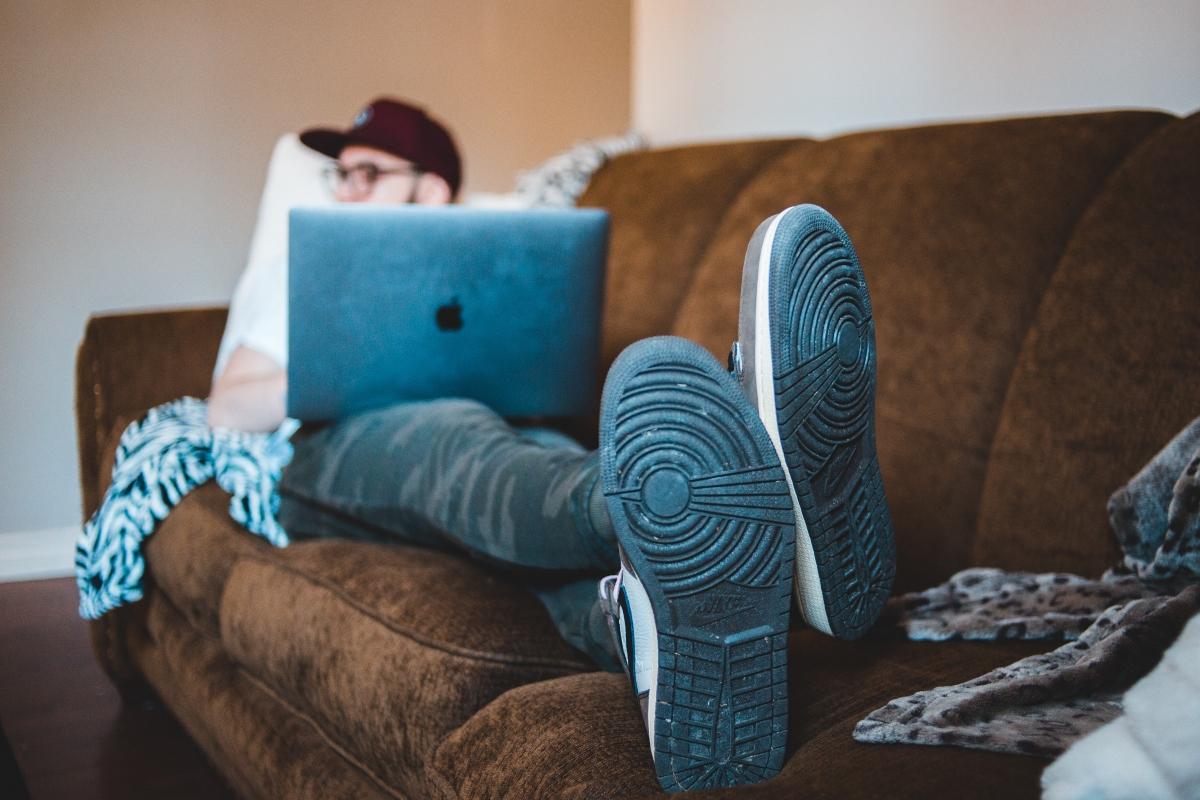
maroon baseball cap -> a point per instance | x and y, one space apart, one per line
398 128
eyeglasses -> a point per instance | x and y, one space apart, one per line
360 179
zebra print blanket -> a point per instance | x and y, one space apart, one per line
159 460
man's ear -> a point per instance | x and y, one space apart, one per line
432 190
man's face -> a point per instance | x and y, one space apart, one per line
376 176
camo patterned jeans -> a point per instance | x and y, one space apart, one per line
453 474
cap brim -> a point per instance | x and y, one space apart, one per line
325 141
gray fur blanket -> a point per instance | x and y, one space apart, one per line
1116 627
1153 749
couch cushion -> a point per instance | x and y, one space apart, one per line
665 206
959 228
582 736
385 648
1108 370
265 747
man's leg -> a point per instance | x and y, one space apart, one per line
576 610
451 473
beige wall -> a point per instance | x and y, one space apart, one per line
718 69
134 136
134 133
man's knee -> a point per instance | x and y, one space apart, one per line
459 409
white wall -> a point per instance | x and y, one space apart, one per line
717 69
134 136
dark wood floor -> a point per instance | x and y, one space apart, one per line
68 733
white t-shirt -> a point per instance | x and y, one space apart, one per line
258 315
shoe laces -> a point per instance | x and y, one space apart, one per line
609 588
736 367
610 591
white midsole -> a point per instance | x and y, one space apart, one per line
645 646
807 578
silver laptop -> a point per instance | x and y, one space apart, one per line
387 304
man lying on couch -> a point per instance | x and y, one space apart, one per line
712 495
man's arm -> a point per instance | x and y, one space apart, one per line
250 395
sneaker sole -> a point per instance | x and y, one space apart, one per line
819 410
701 507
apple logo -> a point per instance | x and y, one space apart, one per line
449 316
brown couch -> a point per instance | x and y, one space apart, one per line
1036 286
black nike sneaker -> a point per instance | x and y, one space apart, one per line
805 357
703 517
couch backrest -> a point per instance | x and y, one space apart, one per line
1035 287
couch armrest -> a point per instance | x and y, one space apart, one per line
129 362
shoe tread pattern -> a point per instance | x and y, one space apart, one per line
824 357
712 557
727 711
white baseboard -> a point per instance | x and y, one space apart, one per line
29 555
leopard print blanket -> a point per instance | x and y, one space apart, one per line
1116 627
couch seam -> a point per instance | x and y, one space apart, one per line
337 747
231 774
1101 190
312 717
453 650
266 689
437 778
781 148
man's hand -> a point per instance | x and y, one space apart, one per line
250 395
